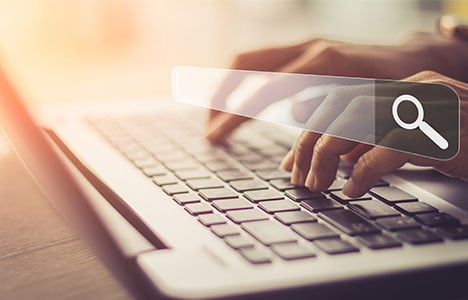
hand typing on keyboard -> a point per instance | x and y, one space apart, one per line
314 158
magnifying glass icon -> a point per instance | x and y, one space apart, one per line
427 129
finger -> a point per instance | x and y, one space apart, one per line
222 126
353 156
288 161
370 167
325 160
270 59
302 156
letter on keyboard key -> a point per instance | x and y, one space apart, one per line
269 232
348 222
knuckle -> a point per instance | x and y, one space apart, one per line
301 148
320 148
368 163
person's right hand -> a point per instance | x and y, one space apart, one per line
326 57
315 157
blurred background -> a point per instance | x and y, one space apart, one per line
87 50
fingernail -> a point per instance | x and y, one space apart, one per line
294 176
310 181
350 188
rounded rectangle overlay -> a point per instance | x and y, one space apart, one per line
413 117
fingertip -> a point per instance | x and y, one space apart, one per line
287 162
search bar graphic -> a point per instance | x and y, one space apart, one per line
412 117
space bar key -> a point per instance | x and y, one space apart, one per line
269 232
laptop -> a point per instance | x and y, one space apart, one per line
173 216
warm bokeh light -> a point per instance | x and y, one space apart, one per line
85 49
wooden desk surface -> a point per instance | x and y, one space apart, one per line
40 257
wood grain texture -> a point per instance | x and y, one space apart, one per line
40 257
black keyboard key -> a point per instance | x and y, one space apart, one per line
293 217
246 215
231 204
378 241
196 209
224 230
348 222
209 183
282 184
274 174
314 231
248 185
255 256
299 194
278 206
231 175
186 198
320 204
217 194
335 246
211 219
391 194
239 241
337 185
165 179
340 196
192 174
263 195
344 170
292 251
397 223
418 236
173 189
269 232
453 232
373 209
436 219
412 208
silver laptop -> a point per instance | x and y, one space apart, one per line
174 216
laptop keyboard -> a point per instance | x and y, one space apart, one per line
237 191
